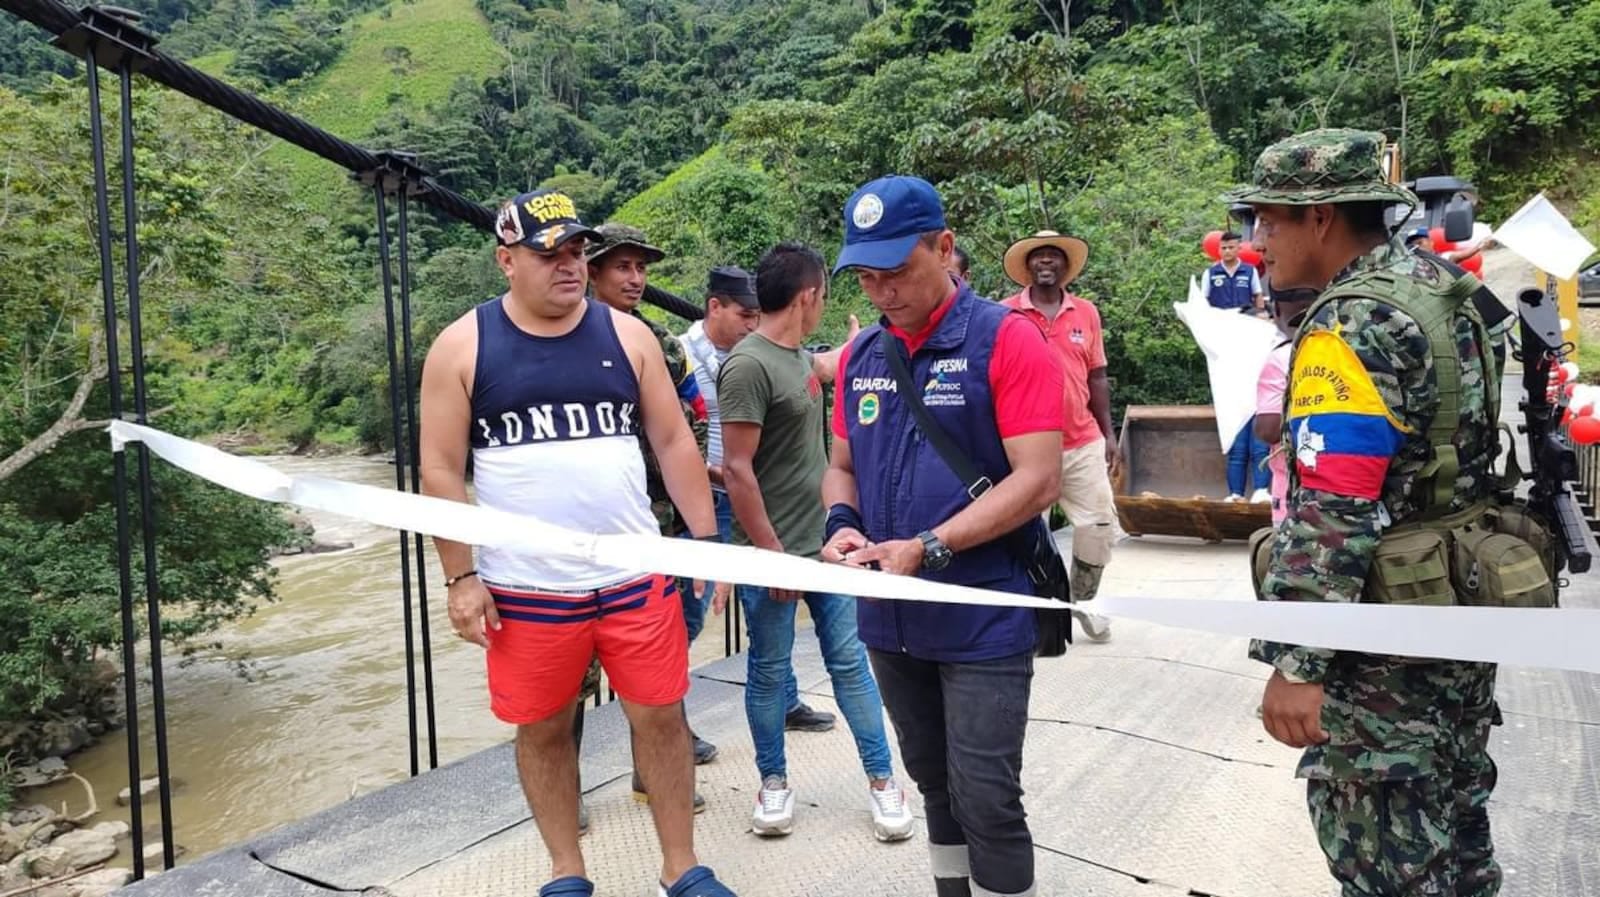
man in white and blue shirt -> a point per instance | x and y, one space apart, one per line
1230 283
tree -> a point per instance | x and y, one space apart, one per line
59 597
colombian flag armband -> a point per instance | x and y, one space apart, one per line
1342 429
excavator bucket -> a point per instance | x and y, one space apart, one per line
1172 477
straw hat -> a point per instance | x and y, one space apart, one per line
1016 262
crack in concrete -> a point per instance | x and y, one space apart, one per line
1115 731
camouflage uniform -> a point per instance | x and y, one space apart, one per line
681 371
1398 794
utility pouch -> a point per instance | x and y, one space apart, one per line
1496 569
1515 519
1260 554
1411 567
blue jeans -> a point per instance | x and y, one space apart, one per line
694 606
771 625
1245 461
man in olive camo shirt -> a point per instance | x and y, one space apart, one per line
1395 748
618 271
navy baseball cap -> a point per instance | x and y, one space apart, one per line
883 220
543 221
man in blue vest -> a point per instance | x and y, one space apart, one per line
1230 283
955 679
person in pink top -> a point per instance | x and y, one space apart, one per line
1288 308
1044 265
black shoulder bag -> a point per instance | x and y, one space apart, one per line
1031 542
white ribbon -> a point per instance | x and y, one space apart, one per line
1565 639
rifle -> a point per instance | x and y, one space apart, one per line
1553 462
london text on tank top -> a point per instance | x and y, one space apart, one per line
555 435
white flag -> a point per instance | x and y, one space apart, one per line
1543 236
1236 347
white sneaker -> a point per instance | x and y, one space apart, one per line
1260 497
774 813
1234 497
891 812
1096 627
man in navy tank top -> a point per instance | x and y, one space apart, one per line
549 392
955 678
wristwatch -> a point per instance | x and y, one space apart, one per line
935 554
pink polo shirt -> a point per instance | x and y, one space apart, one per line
1270 388
1075 336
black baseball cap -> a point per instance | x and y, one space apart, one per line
543 221
731 282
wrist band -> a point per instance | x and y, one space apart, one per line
842 516
714 537
452 580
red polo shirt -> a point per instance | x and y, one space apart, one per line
1075 336
1022 376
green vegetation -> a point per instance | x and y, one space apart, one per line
58 597
409 55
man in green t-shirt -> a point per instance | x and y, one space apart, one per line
773 459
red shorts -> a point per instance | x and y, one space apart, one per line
538 657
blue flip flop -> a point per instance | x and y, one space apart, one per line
568 886
699 882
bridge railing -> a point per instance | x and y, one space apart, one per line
109 38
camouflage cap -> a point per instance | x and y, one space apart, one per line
1330 165
615 236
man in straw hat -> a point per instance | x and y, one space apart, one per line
1043 265
1391 415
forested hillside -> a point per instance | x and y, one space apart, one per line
720 126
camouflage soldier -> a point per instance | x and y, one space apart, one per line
1390 417
618 269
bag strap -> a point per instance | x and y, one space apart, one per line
961 465
958 462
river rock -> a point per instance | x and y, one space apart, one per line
147 787
10 843
18 866
45 772
101 882
49 861
60 737
116 828
86 847
30 814
326 547
152 851
46 832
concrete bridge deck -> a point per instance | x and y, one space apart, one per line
1147 774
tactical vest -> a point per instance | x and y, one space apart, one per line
1494 552
1434 310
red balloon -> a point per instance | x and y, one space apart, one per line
1585 430
1473 263
1212 245
1249 256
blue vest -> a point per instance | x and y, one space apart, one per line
904 487
1230 290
